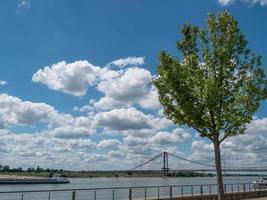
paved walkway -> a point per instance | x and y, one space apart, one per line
261 198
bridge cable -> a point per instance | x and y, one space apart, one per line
147 161
192 161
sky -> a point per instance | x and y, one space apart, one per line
75 83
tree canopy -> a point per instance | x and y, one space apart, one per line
217 84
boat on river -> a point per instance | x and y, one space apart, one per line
33 180
261 183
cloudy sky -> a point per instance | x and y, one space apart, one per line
75 83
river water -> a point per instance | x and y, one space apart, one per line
78 183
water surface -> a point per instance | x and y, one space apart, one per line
78 183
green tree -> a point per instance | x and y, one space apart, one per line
216 86
6 168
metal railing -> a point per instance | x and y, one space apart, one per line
126 193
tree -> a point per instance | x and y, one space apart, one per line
217 85
6 168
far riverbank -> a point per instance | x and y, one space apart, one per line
108 174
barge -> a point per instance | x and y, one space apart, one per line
34 181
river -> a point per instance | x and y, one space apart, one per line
78 183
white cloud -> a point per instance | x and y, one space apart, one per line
3 83
14 111
30 150
121 88
109 143
133 86
123 119
127 121
135 141
178 135
86 108
150 100
257 126
228 2
72 78
65 136
133 61
71 132
78 127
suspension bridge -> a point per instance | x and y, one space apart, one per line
204 166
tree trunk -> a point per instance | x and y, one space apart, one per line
218 168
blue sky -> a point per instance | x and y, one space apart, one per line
93 101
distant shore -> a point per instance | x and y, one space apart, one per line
94 174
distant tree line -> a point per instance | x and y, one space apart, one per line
38 169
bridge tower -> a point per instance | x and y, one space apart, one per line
165 168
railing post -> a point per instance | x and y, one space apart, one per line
182 191
238 187
192 191
201 190
249 187
158 193
130 193
232 187
73 195
113 194
145 193
94 195
49 196
244 187
170 193
22 196
225 190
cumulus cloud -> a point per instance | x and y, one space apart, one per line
123 62
14 111
86 108
121 88
132 87
29 150
72 78
257 126
71 132
109 143
177 136
123 119
65 136
127 121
